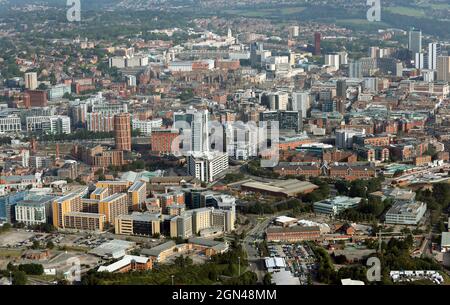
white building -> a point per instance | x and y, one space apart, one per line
332 60
31 81
207 166
131 80
301 102
336 205
277 100
10 124
57 124
34 209
146 127
180 66
419 61
25 154
241 140
434 50
406 213
344 137
195 124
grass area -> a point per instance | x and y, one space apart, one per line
74 248
266 12
407 11
43 277
10 253
355 22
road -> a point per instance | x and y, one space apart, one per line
256 234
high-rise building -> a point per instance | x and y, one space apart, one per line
355 69
293 31
38 98
136 195
31 82
344 137
343 58
434 51
301 103
131 80
56 124
122 131
207 166
162 139
362 67
198 121
443 68
415 41
332 60
341 88
276 100
8 204
317 43
113 206
141 224
69 203
145 127
419 60
287 120
256 49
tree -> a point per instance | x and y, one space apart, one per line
342 187
358 189
19 278
42 86
32 269
36 245
267 280
50 245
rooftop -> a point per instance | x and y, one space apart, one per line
156 251
445 239
125 261
293 229
115 248
289 187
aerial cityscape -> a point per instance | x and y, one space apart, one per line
231 143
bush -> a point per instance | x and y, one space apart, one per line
32 269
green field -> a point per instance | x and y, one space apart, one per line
266 12
359 22
10 253
406 11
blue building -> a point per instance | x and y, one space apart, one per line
7 204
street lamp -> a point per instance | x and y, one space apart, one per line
172 276
239 265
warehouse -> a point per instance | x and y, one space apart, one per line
283 188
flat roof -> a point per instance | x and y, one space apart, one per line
99 190
293 229
155 251
274 262
284 277
83 214
346 282
113 197
285 219
125 261
113 248
136 186
445 239
289 187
